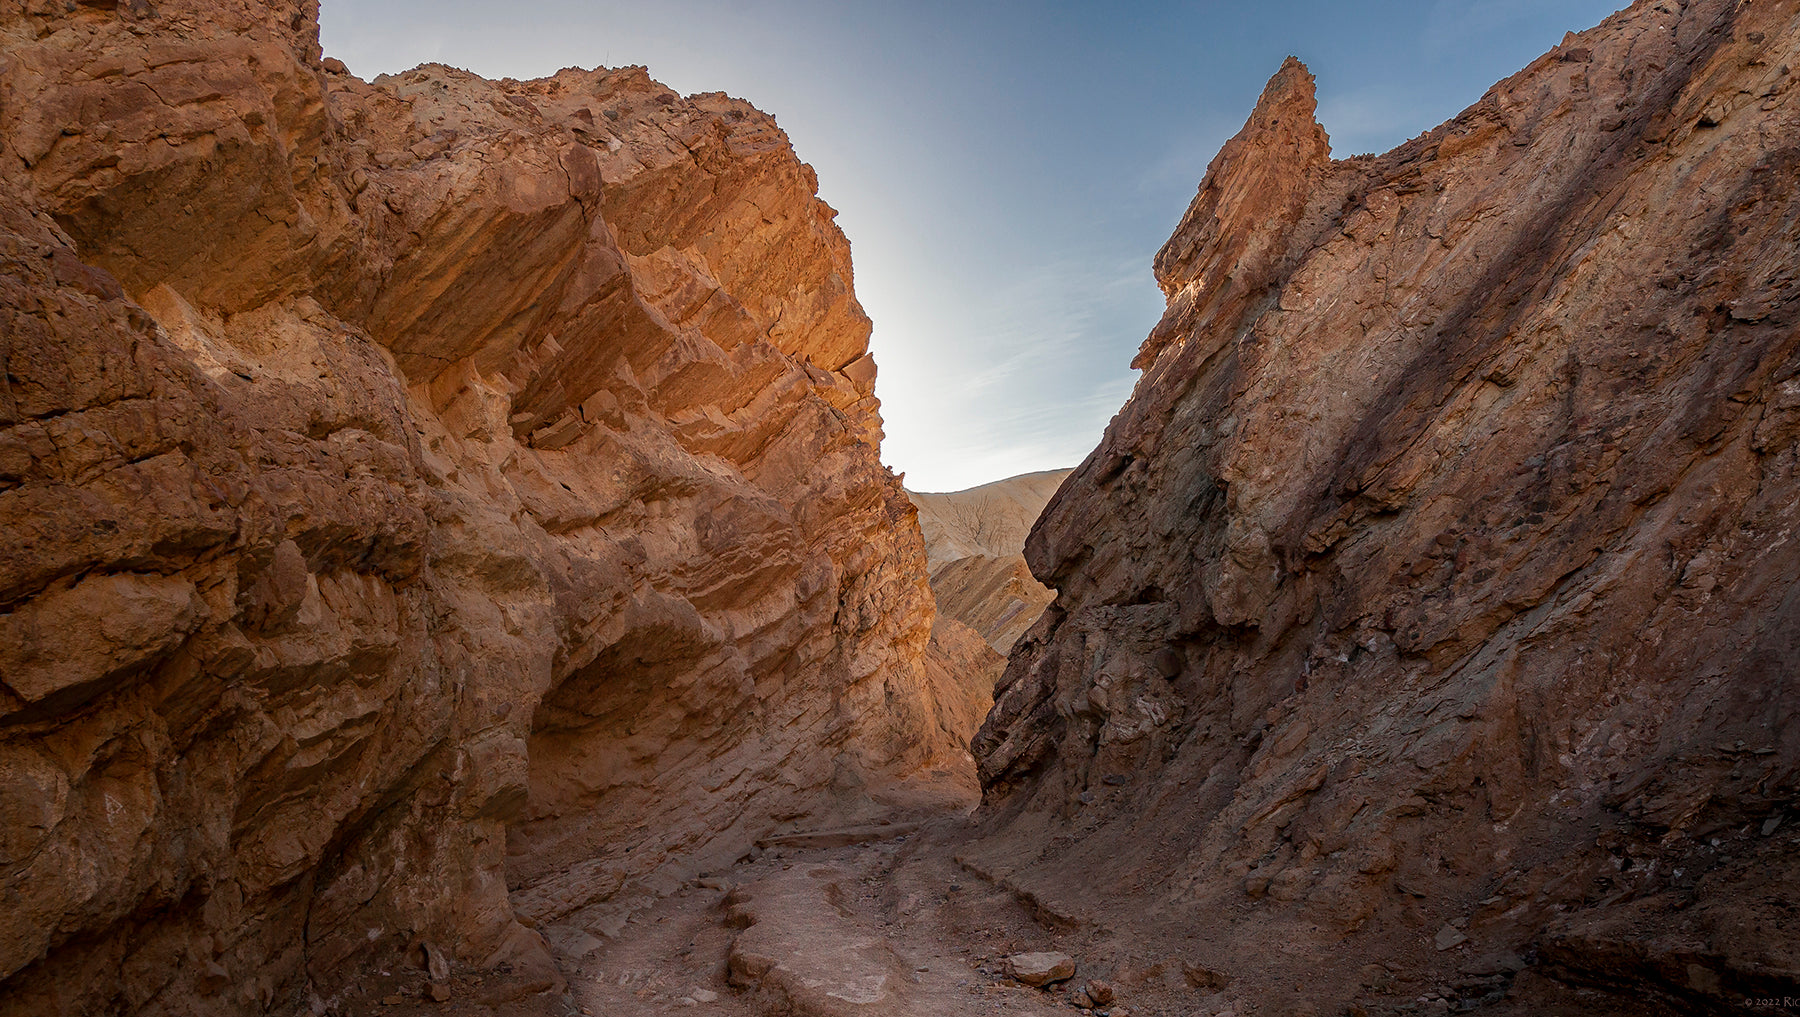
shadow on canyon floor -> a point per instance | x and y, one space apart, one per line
889 919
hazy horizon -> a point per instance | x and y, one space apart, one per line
1005 172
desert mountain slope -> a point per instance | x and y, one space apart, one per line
1435 600
427 501
975 540
991 520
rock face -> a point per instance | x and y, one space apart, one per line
1441 572
975 541
425 500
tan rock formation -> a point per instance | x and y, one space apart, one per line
975 542
1433 601
996 597
414 491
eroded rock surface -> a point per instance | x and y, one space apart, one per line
1434 600
426 501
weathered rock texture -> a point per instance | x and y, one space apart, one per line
975 542
1436 598
413 491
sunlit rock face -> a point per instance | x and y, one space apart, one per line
425 501
1436 598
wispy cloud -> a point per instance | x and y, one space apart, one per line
1453 26
1043 365
1373 119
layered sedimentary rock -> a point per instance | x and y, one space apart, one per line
1435 600
424 500
996 597
975 542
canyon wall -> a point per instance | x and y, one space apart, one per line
1428 621
428 503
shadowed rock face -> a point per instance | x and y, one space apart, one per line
425 500
1435 599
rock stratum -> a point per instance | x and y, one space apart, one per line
436 509
1428 621
975 543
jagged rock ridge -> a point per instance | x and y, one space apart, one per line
1433 600
426 501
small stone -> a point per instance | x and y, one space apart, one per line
1041 968
439 992
394 999
1449 936
437 966
1100 992
1078 998
704 996
1771 824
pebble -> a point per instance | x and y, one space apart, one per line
1040 968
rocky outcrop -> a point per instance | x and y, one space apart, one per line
1433 601
975 541
427 501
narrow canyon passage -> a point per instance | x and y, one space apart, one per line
449 567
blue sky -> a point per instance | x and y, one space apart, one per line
1005 171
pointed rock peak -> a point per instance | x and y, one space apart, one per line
1255 189
1289 99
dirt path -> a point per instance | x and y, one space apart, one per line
876 920
890 926
893 925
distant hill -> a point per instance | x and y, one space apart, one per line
974 544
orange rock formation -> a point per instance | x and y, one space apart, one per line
426 501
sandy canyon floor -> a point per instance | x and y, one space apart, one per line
890 925
887 920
